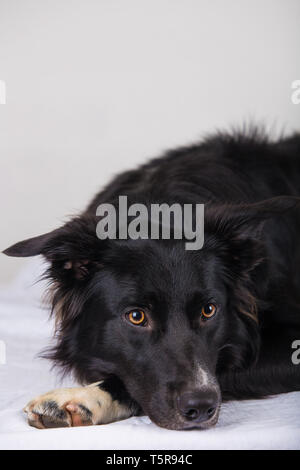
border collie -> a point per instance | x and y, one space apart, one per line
149 327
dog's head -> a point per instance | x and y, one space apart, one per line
166 321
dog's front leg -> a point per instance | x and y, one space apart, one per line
98 403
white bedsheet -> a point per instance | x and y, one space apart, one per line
273 423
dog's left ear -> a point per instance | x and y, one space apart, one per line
242 226
73 249
247 220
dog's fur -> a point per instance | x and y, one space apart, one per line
248 267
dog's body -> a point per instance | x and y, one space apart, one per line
218 323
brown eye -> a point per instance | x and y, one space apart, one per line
208 310
137 317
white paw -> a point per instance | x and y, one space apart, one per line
82 406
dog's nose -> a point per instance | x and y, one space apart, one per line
198 405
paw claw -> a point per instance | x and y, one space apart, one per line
34 420
80 415
43 414
72 408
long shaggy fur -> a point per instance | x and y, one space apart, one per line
248 267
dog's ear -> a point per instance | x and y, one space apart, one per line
247 220
32 246
72 249
242 226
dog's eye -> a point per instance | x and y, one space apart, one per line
137 317
208 310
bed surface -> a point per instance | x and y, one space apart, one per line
272 423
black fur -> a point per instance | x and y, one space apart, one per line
118 392
248 267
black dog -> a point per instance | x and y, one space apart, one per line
172 332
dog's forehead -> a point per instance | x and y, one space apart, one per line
164 267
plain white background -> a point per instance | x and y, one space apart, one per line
97 86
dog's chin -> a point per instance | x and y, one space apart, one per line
182 425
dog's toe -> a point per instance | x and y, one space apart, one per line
80 414
47 414
34 420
